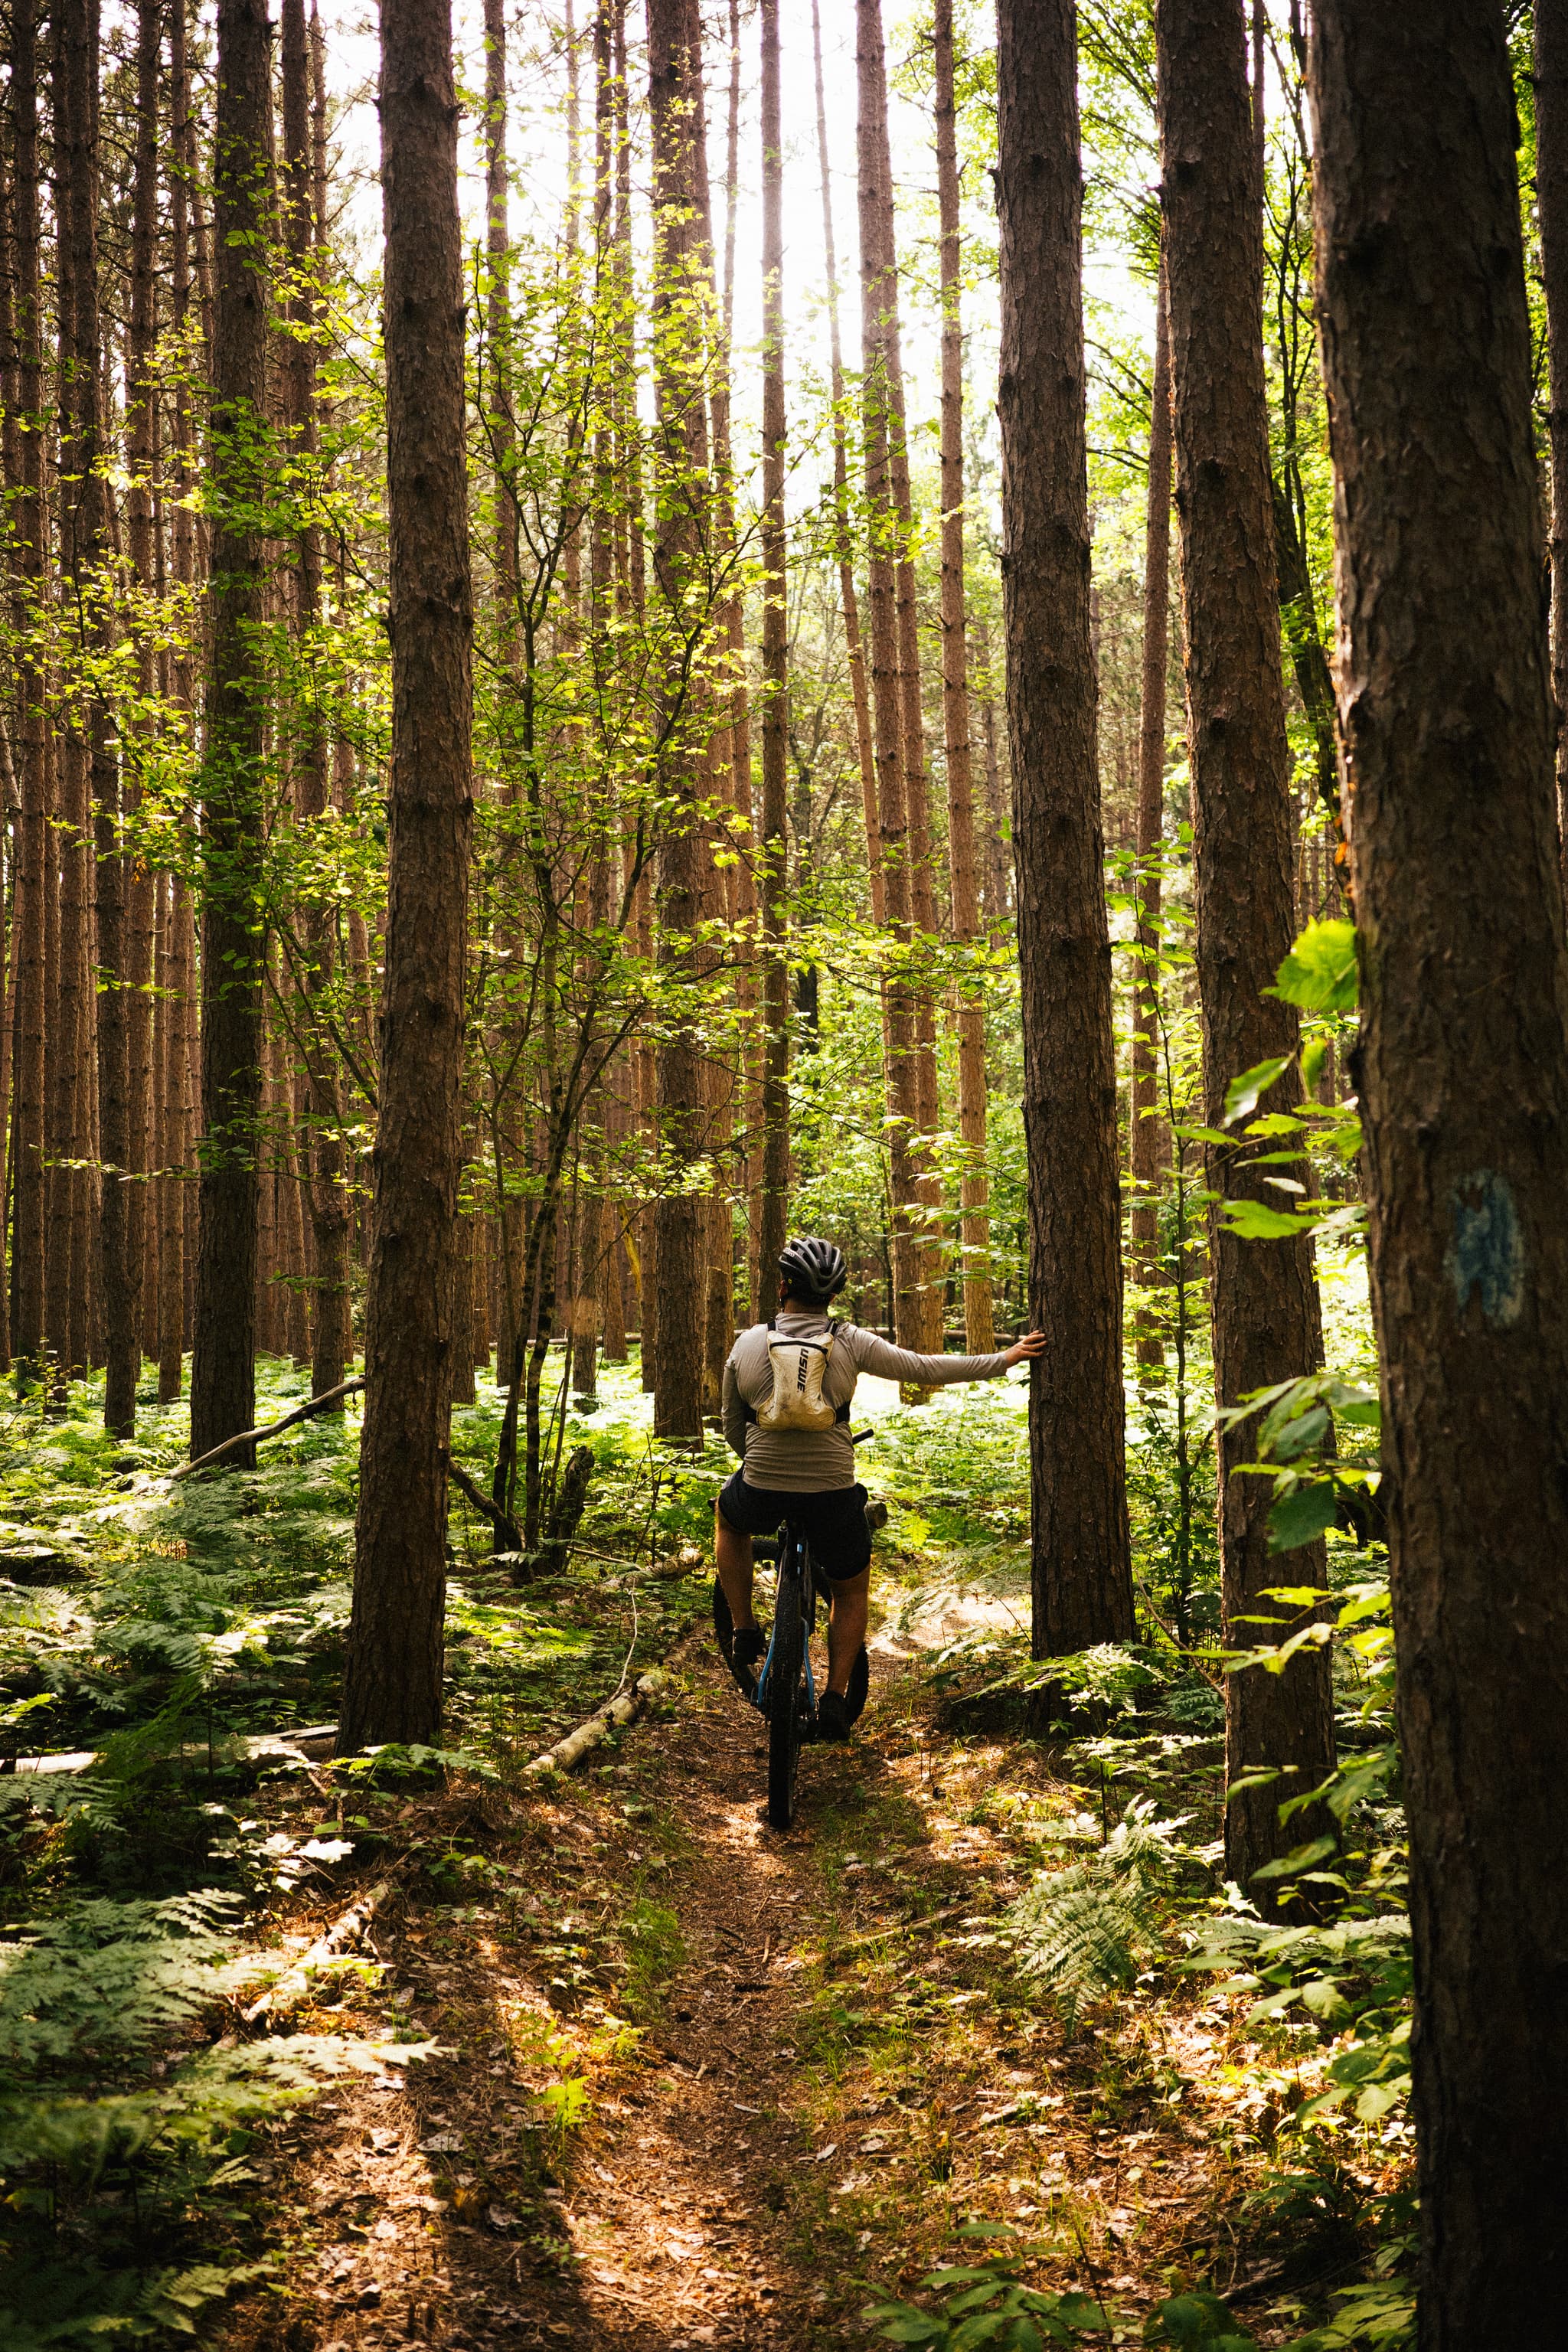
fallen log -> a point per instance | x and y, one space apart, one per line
315 1740
616 1711
273 1429
294 1988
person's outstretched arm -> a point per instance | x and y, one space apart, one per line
879 1356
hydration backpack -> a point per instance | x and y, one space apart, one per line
799 1370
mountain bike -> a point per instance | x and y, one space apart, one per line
785 1691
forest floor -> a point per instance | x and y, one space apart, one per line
630 2068
837 2067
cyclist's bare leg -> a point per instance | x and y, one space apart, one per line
733 1559
846 1628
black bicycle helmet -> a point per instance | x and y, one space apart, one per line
813 1269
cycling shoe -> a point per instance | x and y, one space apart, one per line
834 1720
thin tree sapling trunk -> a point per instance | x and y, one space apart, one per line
1149 1140
776 652
979 1322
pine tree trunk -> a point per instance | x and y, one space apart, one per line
34 848
1264 1294
979 1322
848 603
1551 213
885 385
223 1369
676 107
773 875
137 881
1082 1577
85 548
996 867
1148 1142
392 1672
1463 1082
176 1007
304 232
881 422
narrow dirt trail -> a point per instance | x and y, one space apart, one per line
829 2072
666 2216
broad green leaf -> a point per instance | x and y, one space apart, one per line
1301 1517
1255 1220
1245 1093
1300 1858
1319 972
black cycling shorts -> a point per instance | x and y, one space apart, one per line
834 1522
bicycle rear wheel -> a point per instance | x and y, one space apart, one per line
785 1671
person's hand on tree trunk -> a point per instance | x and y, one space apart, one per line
1031 1344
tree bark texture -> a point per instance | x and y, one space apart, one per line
35 848
775 644
1264 1294
1149 1140
854 650
979 1325
85 544
1551 213
675 101
391 1684
884 388
137 888
331 1338
1082 1577
879 327
1445 706
223 1362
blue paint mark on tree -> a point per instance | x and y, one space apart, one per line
1485 1257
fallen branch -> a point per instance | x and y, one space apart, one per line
507 1528
897 1928
617 1711
273 1429
292 1988
315 1739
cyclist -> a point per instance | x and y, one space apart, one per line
788 1386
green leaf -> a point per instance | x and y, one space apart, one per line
1314 1054
1243 1094
1255 1220
1319 972
1301 1517
906 2326
1301 1857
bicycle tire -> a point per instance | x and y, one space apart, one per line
784 1700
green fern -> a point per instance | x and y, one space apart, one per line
1089 1929
102 1981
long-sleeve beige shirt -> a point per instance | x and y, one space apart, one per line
812 1461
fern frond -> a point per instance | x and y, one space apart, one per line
1090 1929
